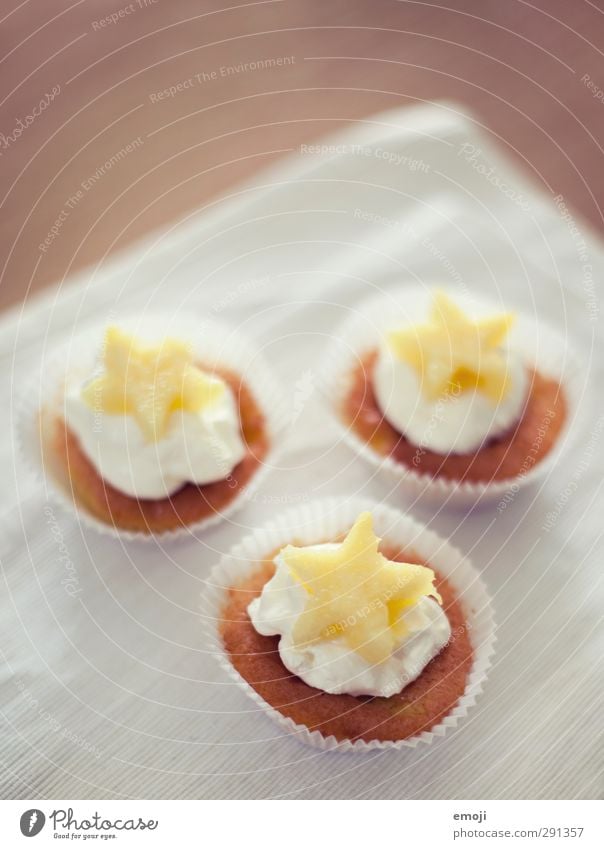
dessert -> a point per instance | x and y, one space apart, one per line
448 398
354 638
155 441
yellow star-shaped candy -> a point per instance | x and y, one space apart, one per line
453 353
355 593
149 383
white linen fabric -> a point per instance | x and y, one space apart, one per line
106 690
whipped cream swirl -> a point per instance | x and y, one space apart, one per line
457 423
198 447
331 665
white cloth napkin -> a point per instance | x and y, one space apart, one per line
106 690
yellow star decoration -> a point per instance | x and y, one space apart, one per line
453 353
355 593
149 383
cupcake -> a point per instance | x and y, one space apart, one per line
455 399
348 639
151 432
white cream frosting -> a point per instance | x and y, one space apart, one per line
198 447
456 423
331 665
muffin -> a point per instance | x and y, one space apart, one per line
153 436
350 640
454 398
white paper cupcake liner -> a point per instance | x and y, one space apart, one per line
325 520
215 344
538 345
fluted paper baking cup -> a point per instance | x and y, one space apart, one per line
539 346
215 344
328 519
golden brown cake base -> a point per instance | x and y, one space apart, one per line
190 504
526 444
419 707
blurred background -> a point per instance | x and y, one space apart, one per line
120 118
